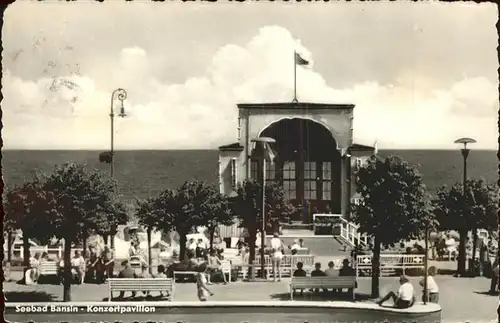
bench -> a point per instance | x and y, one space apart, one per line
184 273
140 285
323 282
288 264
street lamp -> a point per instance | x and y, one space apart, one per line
461 252
108 157
121 95
263 142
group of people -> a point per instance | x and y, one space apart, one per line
93 268
276 250
127 271
346 270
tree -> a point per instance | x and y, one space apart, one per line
82 201
215 211
393 206
247 206
29 208
181 210
149 218
193 200
479 210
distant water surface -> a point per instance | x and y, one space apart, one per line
143 173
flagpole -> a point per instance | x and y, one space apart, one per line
294 76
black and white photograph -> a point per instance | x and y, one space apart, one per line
250 161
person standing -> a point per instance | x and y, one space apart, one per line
494 276
108 263
277 255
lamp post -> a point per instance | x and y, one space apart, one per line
461 252
263 142
426 266
121 95
108 157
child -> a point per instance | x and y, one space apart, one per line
201 283
432 287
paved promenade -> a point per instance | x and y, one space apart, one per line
462 299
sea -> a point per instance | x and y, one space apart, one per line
144 173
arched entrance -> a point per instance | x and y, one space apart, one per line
307 165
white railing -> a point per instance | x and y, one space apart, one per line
390 262
19 252
349 233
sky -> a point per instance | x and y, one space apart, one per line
420 74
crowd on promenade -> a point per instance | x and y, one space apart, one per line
96 265
91 265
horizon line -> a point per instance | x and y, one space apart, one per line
214 149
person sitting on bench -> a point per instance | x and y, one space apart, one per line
160 274
214 266
299 272
126 272
405 297
77 265
317 272
347 271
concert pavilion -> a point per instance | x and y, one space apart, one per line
316 158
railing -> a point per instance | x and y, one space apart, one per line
390 262
349 233
18 252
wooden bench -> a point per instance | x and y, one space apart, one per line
141 285
184 273
323 282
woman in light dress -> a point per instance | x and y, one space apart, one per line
201 283
277 255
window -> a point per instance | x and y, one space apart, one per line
310 180
290 189
289 170
254 168
310 189
310 170
327 181
270 172
233 173
289 184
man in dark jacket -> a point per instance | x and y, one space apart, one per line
127 272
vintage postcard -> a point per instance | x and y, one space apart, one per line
250 162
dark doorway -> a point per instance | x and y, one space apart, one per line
308 165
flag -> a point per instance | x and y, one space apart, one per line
106 157
299 60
